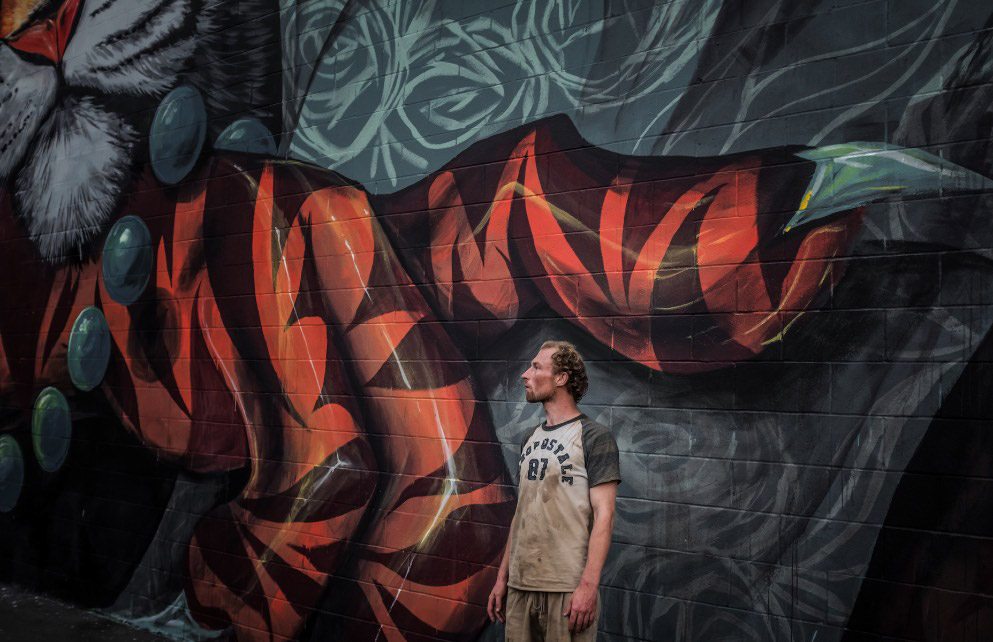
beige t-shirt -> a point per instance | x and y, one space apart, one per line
551 530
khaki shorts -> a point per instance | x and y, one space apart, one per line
536 616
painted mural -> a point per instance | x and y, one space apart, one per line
272 275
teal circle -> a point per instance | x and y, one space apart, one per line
51 429
89 349
127 260
11 473
247 135
178 131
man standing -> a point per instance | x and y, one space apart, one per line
569 471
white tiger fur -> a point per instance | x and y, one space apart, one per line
71 137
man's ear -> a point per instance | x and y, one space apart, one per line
561 378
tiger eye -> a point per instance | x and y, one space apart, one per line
14 13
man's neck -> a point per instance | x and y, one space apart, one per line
558 410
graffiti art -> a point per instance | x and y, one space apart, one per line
273 274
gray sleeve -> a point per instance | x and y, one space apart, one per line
603 462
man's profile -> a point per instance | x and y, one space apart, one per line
569 470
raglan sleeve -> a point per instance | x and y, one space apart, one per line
603 461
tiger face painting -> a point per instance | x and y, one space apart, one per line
79 79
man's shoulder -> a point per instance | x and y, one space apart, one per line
595 429
601 453
528 432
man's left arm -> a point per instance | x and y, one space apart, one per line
581 609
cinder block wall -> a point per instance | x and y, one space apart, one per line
273 271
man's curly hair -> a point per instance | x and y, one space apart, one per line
566 359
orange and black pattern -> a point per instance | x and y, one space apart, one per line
299 329
673 248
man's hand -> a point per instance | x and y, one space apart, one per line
494 607
581 609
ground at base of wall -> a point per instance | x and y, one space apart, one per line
27 616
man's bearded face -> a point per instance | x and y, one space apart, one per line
539 379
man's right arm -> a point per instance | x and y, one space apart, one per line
498 596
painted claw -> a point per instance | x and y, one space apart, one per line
854 174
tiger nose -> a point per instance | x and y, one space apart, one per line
49 37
